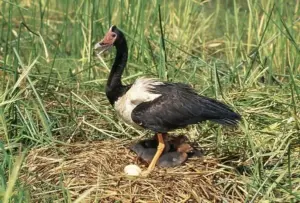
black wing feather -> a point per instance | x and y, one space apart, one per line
179 106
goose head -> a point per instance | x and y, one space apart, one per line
113 37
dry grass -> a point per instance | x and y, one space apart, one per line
245 53
94 172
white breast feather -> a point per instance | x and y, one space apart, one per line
137 94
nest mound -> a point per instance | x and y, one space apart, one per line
93 172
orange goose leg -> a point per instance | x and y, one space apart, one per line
160 149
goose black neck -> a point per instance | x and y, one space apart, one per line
114 87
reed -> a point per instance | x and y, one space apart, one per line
245 53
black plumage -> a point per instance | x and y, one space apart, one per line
179 106
175 153
157 106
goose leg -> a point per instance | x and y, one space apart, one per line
160 149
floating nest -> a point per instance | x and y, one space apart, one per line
93 172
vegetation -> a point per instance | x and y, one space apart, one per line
245 53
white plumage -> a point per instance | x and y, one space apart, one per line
137 94
169 106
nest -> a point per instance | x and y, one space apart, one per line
93 172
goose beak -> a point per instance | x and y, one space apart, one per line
97 46
101 47
106 43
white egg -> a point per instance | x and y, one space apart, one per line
132 170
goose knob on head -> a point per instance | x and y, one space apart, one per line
156 105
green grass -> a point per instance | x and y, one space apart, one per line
245 53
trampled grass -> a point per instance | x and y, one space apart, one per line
245 53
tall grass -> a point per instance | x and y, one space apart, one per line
245 53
